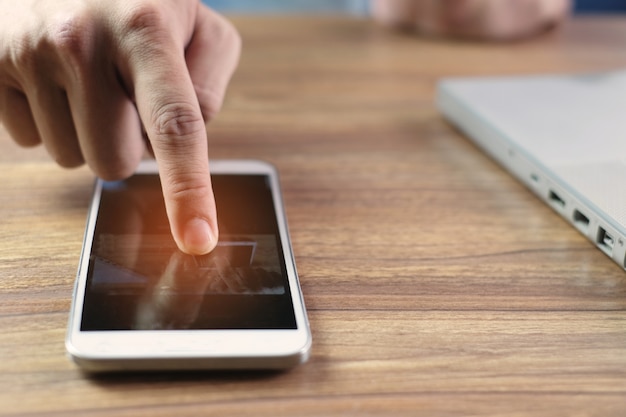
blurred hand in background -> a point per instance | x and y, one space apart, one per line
475 19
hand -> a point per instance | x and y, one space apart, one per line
478 19
87 77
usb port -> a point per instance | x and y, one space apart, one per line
605 241
581 221
556 200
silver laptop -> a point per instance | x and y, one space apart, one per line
564 136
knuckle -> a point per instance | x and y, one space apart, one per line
21 55
177 122
144 18
69 38
63 37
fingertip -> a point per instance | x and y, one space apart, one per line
198 237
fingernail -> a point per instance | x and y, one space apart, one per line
198 238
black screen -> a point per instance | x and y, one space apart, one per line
139 280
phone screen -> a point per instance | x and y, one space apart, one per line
138 279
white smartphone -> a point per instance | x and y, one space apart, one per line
141 304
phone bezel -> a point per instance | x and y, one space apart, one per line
191 349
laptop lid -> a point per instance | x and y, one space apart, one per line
564 136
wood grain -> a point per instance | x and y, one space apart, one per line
435 283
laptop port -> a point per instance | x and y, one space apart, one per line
605 241
581 221
556 200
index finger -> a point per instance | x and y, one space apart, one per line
169 108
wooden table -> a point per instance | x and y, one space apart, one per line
435 283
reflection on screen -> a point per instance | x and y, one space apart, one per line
138 279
